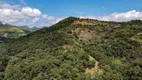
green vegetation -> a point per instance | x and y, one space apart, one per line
137 37
64 52
8 32
9 28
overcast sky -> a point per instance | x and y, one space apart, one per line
41 13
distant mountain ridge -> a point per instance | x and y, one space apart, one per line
8 31
28 28
1 23
25 28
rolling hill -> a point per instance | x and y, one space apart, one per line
75 49
8 32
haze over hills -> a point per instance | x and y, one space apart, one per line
25 28
8 31
76 49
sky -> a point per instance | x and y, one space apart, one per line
40 13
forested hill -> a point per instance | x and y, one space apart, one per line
76 49
9 32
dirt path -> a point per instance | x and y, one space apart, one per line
93 70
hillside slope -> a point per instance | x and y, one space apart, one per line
75 49
9 32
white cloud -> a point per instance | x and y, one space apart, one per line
35 20
59 19
119 17
45 16
27 11
8 6
88 17
18 15
131 15
52 20
14 16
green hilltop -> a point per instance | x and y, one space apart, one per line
9 32
75 49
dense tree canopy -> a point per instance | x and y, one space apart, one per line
86 50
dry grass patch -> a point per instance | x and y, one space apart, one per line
82 34
82 23
94 70
68 47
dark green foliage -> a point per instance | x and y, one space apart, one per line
41 55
